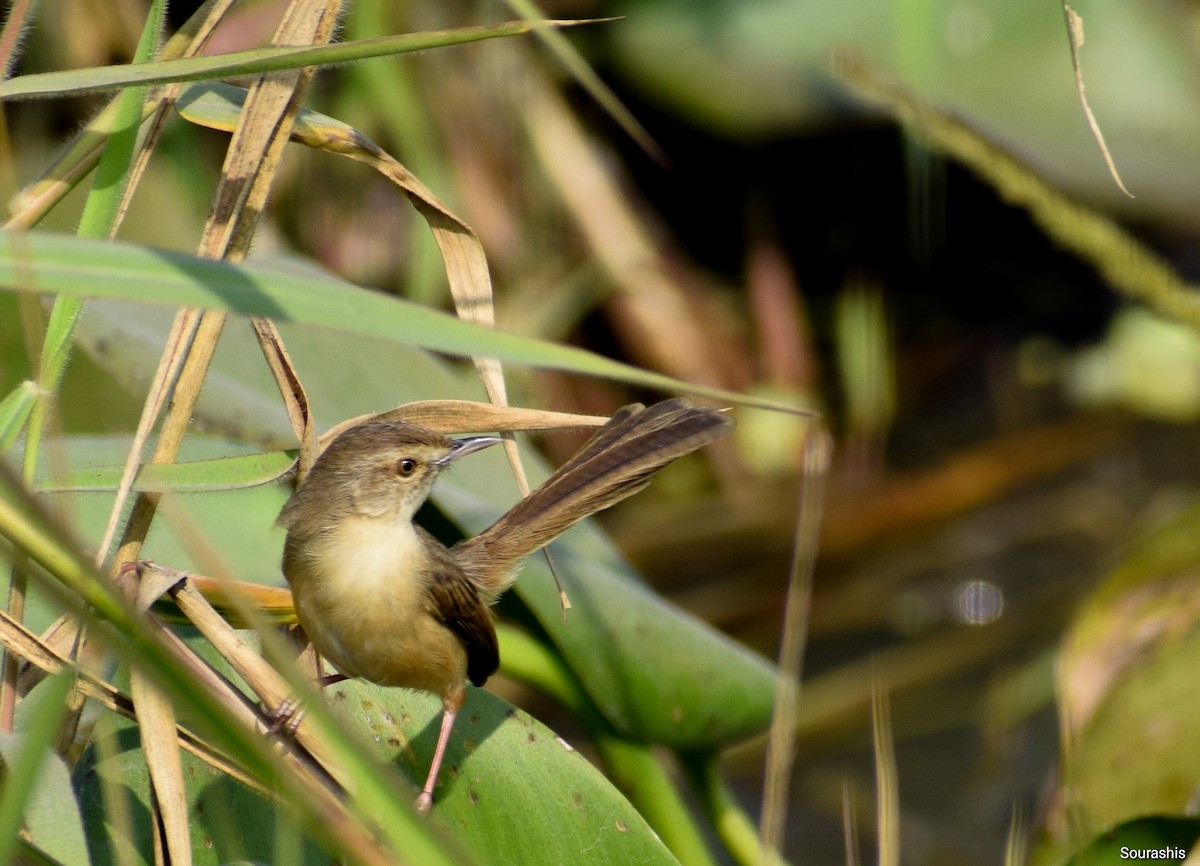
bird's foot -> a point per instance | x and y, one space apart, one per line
285 718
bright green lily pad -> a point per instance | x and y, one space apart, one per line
511 791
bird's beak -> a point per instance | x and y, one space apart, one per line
468 445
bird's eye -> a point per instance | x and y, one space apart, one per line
405 467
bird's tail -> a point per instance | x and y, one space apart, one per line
618 461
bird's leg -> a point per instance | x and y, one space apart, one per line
449 713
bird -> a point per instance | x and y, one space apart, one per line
384 601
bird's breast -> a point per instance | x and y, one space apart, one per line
360 593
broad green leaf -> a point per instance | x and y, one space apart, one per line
228 820
1127 686
1143 840
251 62
36 784
511 791
49 263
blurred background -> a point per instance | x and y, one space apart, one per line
1016 449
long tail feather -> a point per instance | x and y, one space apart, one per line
618 461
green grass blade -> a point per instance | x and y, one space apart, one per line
193 476
78 267
14 411
98 219
253 62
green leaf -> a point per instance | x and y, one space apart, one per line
36 790
192 476
14 411
76 267
228 821
511 791
1144 840
1127 685
251 62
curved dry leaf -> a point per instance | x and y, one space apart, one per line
468 416
1076 39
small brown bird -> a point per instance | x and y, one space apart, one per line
385 601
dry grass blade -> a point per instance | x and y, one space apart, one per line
1016 846
157 727
292 390
250 167
666 332
470 283
179 340
160 744
271 109
197 354
467 416
263 131
45 660
467 271
818 446
237 207
1075 39
849 825
272 605
189 594
34 201
467 274
262 678
256 150
886 777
